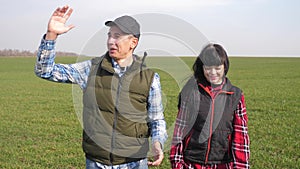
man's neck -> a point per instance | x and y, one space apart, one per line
125 62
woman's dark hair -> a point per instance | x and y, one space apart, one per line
211 55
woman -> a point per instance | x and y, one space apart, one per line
211 125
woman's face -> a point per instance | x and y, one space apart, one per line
214 74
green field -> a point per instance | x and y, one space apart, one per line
40 128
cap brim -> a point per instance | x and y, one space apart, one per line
123 29
112 23
109 23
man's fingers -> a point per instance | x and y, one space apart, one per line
158 160
55 13
68 14
64 9
158 154
70 27
57 21
63 12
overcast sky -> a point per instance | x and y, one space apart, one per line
243 27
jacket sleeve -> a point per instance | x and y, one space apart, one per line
176 152
241 141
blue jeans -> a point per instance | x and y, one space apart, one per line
142 164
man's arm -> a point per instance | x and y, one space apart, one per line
157 121
45 66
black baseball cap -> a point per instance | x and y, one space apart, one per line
127 24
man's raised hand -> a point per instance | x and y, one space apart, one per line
57 23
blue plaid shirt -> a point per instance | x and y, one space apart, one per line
78 73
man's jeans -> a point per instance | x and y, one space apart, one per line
142 164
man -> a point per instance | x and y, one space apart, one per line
122 102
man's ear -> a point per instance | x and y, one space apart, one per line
134 42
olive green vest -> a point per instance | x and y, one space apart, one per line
115 112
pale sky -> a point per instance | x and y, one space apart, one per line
243 27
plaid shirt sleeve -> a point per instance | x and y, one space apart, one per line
241 141
176 153
46 67
155 112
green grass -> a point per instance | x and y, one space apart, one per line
40 128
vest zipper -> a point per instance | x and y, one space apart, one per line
211 123
115 120
210 130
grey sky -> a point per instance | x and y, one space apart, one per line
243 27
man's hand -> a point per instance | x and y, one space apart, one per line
158 154
56 25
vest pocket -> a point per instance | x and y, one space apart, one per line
193 149
142 132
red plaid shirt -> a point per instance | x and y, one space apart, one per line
240 143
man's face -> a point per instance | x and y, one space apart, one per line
119 44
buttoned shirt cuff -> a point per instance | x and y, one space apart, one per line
47 44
